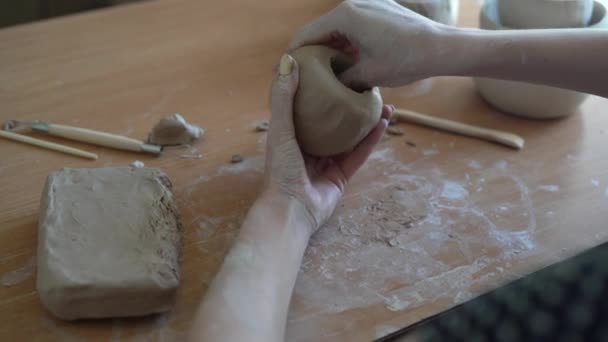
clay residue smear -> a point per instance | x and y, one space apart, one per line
250 164
19 275
430 152
183 152
549 188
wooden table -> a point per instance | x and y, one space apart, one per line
421 229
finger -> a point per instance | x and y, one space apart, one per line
387 112
334 40
317 32
282 95
308 39
311 34
351 162
286 81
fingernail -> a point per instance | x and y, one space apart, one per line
392 108
286 65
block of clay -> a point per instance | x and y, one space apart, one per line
108 243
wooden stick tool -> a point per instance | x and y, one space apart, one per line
96 137
500 137
48 145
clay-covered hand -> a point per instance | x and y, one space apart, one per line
393 46
316 183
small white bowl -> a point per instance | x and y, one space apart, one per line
529 14
530 100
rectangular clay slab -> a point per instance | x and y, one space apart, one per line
108 243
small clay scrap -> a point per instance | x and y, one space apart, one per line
138 164
394 130
174 130
262 126
237 158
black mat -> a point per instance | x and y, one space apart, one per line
567 301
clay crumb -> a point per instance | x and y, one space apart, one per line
410 144
262 126
411 221
236 158
138 164
394 130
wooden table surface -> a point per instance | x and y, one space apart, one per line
421 229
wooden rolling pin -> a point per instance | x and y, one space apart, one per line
96 137
500 137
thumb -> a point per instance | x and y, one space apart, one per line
283 93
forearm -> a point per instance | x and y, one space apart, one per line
573 59
249 297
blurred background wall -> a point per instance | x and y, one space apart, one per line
14 12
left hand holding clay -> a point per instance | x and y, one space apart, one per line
317 183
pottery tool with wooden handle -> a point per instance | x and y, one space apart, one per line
500 137
96 137
46 144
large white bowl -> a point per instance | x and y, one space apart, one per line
530 100
528 14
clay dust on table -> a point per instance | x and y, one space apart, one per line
20 274
414 236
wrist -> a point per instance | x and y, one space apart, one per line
288 208
278 218
462 51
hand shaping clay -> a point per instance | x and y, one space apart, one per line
108 243
329 117
174 130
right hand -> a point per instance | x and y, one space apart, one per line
393 46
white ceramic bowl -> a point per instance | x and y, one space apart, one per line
530 100
528 14
443 11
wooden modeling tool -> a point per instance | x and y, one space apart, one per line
48 145
96 137
500 137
